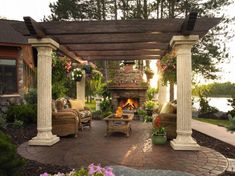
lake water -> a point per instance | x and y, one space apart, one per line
220 103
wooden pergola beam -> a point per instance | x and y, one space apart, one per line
37 31
189 23
139 57
119 53
34 28
114 38
117 46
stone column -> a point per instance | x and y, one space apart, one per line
81 89
183 46
44 94
162 93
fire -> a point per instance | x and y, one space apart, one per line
119 112
130 104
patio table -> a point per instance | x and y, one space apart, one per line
118 124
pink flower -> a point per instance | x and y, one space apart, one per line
44 174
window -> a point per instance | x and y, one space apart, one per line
8 76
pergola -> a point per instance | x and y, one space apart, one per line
116 40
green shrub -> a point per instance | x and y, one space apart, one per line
106 106
231 102
2 120
31 97
26 113
150 104
141 112
10 162
97 115
151 92
231 126
204 105
105 114
148 118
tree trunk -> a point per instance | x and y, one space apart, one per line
145 14
99 9
158 2
115 9
171 91
103 9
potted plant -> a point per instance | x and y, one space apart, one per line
141 113
77 74
149 73
149 106
159 133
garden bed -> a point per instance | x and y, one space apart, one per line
21 135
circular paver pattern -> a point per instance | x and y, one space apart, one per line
135 151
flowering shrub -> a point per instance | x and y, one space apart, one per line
92 170
158 129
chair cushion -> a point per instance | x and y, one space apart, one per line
168 108
77 104
85 113
59 104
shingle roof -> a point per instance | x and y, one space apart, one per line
9 35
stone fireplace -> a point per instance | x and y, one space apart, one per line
128 88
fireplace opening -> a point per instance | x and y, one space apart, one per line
128 103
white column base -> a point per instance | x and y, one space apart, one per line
44 138
184 141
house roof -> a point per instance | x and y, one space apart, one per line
9 35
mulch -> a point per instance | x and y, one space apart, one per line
20 135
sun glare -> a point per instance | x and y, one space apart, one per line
154 80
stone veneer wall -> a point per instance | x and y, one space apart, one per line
7 100
128 83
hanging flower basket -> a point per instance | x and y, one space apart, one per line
76 74
88 69
149 73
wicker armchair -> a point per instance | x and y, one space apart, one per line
64 121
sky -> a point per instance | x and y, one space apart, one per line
37 9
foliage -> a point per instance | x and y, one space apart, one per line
58 90
2 120
149 104
31 96
91 105
215 89
10 162
232 103
92 170
231 126
104 91
106 105
204 105
148 118
26 113
95 83
141 112
158 129
151 92
148 70
97 115
168 67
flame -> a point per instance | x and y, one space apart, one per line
130 104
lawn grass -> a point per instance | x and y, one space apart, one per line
91 105
224 123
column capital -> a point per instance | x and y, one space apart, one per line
184 40
44 42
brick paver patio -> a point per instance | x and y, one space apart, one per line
136 151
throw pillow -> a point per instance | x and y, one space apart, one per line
77 104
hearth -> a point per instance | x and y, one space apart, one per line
128 88
128 103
